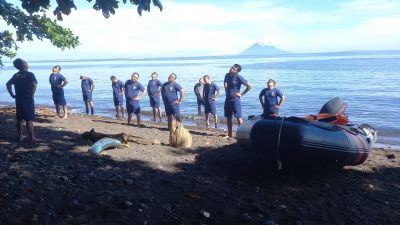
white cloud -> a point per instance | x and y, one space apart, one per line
204 29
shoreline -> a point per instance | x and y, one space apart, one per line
197 121
57 181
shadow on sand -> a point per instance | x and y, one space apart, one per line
51 183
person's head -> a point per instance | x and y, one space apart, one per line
201 80
172 77
207 79
83 76
20 64
271 83
154 75
56 69
235 69
135 76
113 79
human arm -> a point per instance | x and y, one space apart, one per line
65 82
181 95
9 88
142 93
261 97
93 85
281 101
34 86
248 88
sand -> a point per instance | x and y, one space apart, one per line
57 181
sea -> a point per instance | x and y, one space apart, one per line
368 81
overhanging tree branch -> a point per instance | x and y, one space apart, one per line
32 21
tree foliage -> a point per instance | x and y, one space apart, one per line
32 21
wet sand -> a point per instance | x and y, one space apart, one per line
57 181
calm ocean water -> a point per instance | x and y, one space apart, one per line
368 82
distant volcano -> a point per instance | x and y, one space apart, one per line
261 49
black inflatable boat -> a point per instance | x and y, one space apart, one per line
295 141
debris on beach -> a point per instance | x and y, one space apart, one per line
124 138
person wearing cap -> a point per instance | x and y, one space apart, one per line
58 82
198 91
134 91
169 92
87 86
154 91
118 95
233 106
210 93
24 83
269 99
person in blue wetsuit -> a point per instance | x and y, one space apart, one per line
58 82
87 86
269 99
118 95
172 103
210 93
24 83
134 91
232 83
154 91
198 91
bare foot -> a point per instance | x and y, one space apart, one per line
65 117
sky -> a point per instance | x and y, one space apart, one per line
210 27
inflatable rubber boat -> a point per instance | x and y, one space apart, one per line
309 141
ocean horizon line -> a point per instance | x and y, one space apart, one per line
166 58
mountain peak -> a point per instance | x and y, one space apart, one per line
260 48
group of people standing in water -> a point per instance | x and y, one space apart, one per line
170 92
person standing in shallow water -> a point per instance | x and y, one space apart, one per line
210 93
87 86
198 91
269 99
169 93
24 83
118 95
58 82
233 106
154 91
134 91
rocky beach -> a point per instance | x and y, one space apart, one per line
57 181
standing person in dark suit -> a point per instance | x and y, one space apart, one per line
269 99
24 83
172 103
210 94
198 91
118 95
134 91
58 82
154 91
87 86
233 106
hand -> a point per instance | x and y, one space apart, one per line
177 102
277 106
238 94
136 98
121 93
157 94
213 98
59 86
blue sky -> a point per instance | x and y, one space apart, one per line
210 27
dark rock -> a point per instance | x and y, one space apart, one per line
391 156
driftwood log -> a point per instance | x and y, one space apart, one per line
94 136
